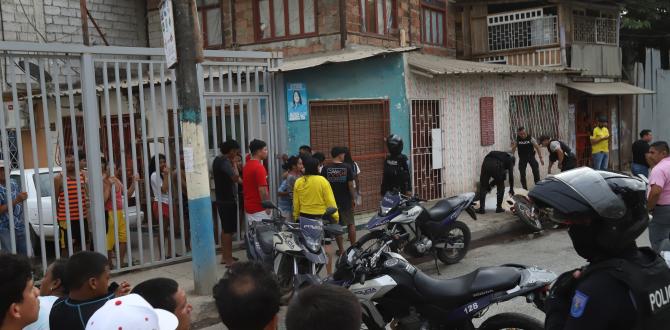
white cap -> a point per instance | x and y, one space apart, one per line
131 312
2 163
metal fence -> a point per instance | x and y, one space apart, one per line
73 108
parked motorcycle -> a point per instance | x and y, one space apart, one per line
420 231
293 250
392 291
535 217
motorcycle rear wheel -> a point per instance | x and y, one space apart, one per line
511 321
450 256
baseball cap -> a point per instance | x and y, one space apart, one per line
131 312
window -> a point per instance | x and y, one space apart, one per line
282 19
433 22
378 16
209 16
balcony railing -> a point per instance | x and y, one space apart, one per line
529 28
595 30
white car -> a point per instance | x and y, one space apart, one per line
47 212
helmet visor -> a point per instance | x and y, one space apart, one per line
591 186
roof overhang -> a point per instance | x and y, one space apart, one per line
429 66
338 56
606 88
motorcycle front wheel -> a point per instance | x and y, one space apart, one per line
511 321
526 213
457 242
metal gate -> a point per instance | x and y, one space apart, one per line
126 101
427 179
360 125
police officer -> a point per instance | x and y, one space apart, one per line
527 146
559 152
396 167
623 286
495 167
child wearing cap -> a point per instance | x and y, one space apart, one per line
131 312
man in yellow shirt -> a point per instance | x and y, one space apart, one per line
600 144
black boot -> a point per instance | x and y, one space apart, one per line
481 210
499 209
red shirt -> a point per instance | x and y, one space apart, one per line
254 176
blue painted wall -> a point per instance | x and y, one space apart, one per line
380 77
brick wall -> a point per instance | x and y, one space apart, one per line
122 21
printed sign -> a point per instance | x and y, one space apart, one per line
296 101
167 26
486 121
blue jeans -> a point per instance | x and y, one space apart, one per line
20 236
639 169
600 160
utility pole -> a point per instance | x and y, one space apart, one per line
194 151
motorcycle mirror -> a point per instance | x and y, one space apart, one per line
268 205
330 211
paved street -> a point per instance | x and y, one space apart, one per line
552 250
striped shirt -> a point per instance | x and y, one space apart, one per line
72 201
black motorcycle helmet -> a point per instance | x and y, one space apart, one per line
606 211
394 144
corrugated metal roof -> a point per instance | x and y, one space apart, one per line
435 65
338 56
607 88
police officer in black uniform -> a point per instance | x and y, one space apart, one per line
496 166
559 152
527 146
396 167
623 286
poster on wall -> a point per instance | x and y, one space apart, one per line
296 100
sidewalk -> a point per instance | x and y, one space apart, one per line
204 312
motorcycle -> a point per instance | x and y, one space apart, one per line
394 292
435 230
293 250
535 217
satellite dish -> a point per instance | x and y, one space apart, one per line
34 71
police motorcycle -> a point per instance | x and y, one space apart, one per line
421 231
293 250
394 292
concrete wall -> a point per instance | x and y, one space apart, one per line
459 96
122 21
374 78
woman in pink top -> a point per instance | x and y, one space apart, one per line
113 196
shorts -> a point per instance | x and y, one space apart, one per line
228 216
76 233
123 237
346 217
256 217
155 214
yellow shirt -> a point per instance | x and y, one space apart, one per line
602 146
312 194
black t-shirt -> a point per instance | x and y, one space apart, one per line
640 148
224 186
73 314
339 175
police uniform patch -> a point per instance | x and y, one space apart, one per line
579 301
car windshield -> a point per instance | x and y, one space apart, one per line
45 183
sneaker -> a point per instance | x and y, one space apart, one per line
481 211
500 210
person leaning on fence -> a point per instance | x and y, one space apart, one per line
113 195
160 186
19 305
17 198
67 181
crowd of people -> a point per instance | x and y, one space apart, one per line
76 294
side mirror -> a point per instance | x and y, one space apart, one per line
644 178
268 205
330 211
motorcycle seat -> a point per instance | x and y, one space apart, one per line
458 291
264 234
442 209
